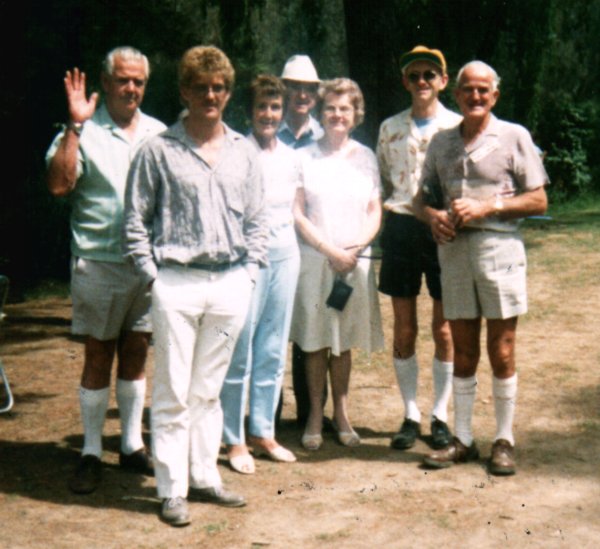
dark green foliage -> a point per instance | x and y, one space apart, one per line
567 133
546 51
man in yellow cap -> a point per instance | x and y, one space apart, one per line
409 250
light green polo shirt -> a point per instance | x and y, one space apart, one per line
105 153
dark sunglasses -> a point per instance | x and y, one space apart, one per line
428 76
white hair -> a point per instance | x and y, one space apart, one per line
127 53
480 65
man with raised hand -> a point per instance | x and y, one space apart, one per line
479 179
89 161
409 251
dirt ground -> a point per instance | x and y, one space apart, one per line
371 496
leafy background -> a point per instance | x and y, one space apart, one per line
547 53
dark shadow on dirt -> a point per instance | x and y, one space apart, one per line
41 471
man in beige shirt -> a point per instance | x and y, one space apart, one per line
409 251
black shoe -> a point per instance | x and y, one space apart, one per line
137 462
440 434
174 511
87 476
218 495
406 437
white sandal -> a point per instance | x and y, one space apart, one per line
243 463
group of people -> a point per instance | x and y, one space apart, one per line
225 247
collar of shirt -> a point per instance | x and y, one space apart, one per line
104 120
257 146
491 130
314 132
177 131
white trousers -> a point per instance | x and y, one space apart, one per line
197 319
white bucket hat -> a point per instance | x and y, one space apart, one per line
300 68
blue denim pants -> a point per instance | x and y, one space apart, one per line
258 363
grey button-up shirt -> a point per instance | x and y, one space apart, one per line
180 210
502 161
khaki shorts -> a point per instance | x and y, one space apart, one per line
484 274
108 298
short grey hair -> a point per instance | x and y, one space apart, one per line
480 65
342 86
127 53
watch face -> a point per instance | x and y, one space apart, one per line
498 203
77 127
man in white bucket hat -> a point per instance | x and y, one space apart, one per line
302 84
300 129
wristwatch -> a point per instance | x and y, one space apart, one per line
498 204
75 127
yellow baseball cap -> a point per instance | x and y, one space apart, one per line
423 53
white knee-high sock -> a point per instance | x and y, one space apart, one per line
93 403
407 373
465 389
130 398
505 399
442 387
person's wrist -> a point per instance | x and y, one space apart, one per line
498 205
75 127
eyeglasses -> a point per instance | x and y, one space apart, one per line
481 90
330 109
428 76
205 89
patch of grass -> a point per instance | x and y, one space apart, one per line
333 536
48 289
584 206
590 427
215 528
581 214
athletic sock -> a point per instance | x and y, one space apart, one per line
505 398
93 404
465 389
130 398
407 373
442 387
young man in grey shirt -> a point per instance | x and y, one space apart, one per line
196 230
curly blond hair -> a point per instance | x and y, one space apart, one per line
201 60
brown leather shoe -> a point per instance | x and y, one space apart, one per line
455 452
502 460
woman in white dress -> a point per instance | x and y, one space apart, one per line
337 214
256 371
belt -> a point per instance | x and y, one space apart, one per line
211 267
